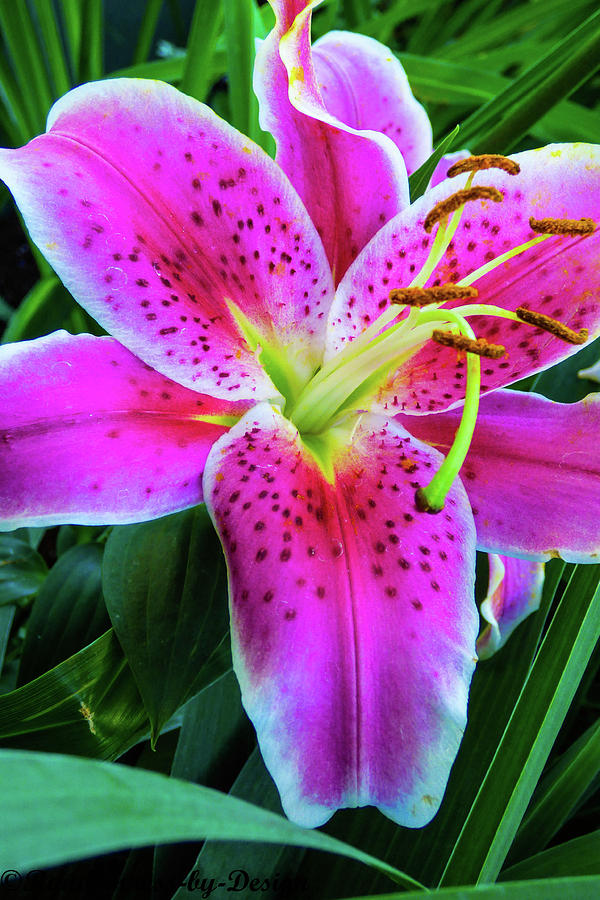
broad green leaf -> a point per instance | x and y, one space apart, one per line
580 856
88 705
166 593
96 807
216 736
22 569
419 180
534 724
68 612
559 794
546 889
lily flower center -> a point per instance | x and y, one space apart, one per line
416 316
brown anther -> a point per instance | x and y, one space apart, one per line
563 226
455 201
486 161
480 346
552 326
416 296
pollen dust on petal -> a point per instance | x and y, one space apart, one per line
88 716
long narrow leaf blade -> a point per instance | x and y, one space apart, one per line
544 701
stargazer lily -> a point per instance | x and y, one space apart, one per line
336 435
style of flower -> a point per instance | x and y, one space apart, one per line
324 427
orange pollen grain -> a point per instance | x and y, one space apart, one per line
480 347
486 161
415 296
563 226
552 326
445 207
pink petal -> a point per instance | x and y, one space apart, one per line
560 277
91 435
514 592
364 85
353 622
351 181
441 170
155 213
532 473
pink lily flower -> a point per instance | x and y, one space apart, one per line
514 592
324 428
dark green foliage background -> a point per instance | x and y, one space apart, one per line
114 642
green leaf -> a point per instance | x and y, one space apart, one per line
242 26
547 889
215 741
533 19
55 54
538 715
28 63
72 20
580 856
22 569
7 613
88 705
91 58
206 25
419 180
166 593
68 612
47 307
499 123
559 794
96 807
147 30
254 785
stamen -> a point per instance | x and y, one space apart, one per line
558 329
562 226
486 161
416 296
479 346
455 201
